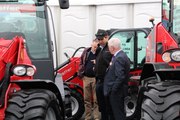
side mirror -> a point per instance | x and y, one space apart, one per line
152 21
64 4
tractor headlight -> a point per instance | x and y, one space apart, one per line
19 70
24 70
172 55
30 71
166 57
176 56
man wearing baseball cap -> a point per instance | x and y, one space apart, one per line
101 34
102 62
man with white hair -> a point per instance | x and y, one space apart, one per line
116 80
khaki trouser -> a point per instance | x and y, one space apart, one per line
90 101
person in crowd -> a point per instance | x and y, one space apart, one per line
102 62
86 72
116 80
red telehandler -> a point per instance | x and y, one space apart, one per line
159 85
134 44
30 88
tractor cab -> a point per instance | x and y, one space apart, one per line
168 36
170 17
30 19
133 42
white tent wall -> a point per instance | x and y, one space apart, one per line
75 27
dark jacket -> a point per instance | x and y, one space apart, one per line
83 60
102 62
116 79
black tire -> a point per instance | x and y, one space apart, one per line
150 80
161 102
33 104
77 103
67 101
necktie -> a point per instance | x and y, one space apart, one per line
112 59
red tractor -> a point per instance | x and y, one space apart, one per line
30 89
134 44
159 85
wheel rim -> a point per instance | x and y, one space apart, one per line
130 105
50 114
74 105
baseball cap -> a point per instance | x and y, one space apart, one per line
100 34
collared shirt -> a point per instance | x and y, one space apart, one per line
93 51
114 56
117 52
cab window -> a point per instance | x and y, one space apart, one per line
133 43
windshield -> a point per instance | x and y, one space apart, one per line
28 20
176 17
